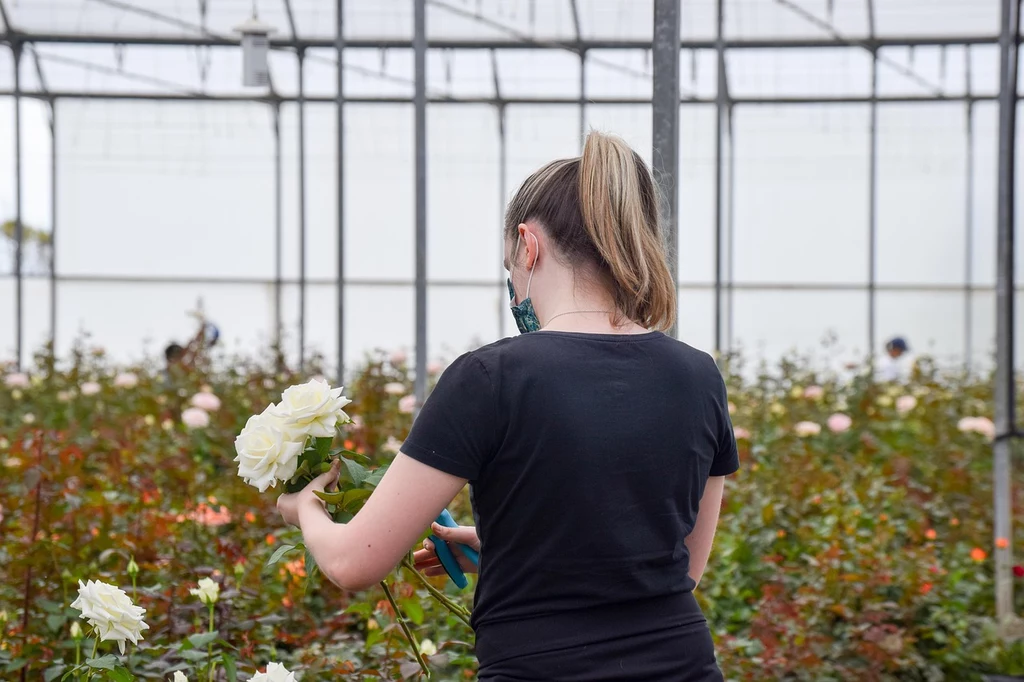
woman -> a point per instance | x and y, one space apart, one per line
596 449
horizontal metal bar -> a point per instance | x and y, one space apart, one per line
911 287
490 44
565 101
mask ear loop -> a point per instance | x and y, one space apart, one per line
529 280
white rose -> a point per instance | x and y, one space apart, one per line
76 631
16 380
312 409
195 418
905 404
394 388
126 380
407 405
206 401
275 673
110 612
89 388
265 453
392 445
427 648
179 677
805 429
208 591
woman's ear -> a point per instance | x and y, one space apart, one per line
531 244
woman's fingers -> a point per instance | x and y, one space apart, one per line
464 535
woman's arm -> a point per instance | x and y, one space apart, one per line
359 554
701 538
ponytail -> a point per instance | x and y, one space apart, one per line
601 210
618 201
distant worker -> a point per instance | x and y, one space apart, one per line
897 363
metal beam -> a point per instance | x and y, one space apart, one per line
420 128
19 228
1005 402
665 112
574 7
302 210
206 40
872 198
503 314
969 220
720 123
53 227
340 160
278 234
511 101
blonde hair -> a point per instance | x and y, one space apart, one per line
601 209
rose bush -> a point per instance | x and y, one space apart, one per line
853 553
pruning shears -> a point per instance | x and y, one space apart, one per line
447 557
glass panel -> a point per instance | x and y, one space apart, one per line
631 122
944 17
618 20
8 324
697 318
463 202
512 20
932 322
983 330
7 179
460 73
138 319
36 143
922 71
6 68
983 214
801 193
826 72
378 73
697 193
536 135
698 74
831 326
745 19
378 317
36 321
538 73
464 318
921 193
619 73
376 18
984 69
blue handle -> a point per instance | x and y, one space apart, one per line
447 557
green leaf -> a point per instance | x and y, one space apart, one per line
414 610
229 667
278 553
193 655
16 664
108 662
323 447
375 476
52 673
120 674
201 640
354 496
356 472
56 622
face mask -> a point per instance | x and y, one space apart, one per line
524 314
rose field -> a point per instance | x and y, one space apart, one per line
854 543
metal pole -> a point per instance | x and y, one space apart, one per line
872 213
302 211
340 111
731 225
278 231
18 226
969 224
420 115
720 106
53 227
503 314
665 109
583 98
1004 377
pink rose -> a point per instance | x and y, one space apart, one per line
394 388
732 407
434 368
814 393
905 404
407 405
16 380
839 422
981 425
195 418
741 433
805 429
398 357
89 388
206 401
126 380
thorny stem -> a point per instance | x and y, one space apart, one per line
458 610
405 628
209 647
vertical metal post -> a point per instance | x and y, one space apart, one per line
720 111
302 208
53 226
1004 377
420 116
503 313
969 221
278 230
18 226
339 45
583 98
665 109
730 192
872 212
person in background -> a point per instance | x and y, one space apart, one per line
596 447
897 363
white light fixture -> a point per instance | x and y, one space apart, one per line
255 46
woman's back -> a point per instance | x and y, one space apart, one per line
588 455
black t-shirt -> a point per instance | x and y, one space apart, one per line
587 456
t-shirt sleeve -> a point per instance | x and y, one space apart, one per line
457 429
727 459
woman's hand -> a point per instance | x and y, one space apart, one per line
289 504
426 559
